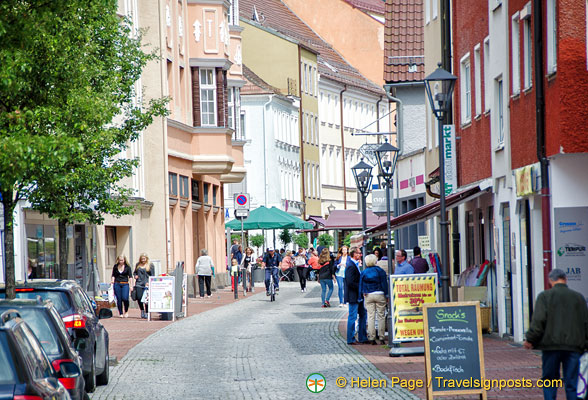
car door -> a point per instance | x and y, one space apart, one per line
97 329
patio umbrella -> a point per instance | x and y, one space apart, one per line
269 218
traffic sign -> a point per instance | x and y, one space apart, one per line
242 201
241 214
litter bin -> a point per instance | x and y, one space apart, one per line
259 275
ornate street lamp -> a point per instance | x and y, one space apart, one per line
362 173
441 83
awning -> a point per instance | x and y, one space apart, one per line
351 220
427 211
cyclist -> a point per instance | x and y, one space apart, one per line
271 262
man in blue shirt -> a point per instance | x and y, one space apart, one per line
354 299
402 266
271 262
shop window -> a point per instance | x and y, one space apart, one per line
173 184
184 191
41 250
195 190
110 233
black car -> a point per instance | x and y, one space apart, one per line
78 312
47 325
25 371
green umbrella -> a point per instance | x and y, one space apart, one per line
269 218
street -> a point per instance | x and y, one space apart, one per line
251 349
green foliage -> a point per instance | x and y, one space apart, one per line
286 237
235 236
347 240
256 241
325 240
301 240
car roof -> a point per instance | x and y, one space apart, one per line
28 303
44 284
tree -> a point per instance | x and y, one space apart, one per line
257 241
347 240
286 237
68 108
325 240
301 240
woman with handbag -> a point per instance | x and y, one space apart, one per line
301 268
120 280
143 270
326 274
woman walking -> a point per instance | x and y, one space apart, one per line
203 269
301 268
143 270
326 276
246 265
287 266
121 276
340 265
373 286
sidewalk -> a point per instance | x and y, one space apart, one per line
125 333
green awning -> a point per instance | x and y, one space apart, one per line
269 218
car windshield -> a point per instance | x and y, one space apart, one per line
43 329
59 299
8 370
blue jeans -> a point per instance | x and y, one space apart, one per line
571 365
354 310
326 283
274 272
121 292
341 287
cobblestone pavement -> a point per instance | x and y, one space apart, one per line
251 349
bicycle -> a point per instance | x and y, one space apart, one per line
272 286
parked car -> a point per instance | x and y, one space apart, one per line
48 327
25 371
77 312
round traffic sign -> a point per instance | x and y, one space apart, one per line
241 200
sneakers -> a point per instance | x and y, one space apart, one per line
277 289
324 305
327 303
267 293
341 305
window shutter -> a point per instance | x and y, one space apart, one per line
196 97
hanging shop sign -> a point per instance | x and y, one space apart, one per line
450 159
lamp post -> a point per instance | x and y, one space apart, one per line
362 173
386 155
439 97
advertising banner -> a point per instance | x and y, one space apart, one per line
408 294
161 293
571 243
450 159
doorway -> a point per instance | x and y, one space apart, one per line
506 246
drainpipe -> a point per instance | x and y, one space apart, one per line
343 147
378 113
301 124
399 136
541 150
271 97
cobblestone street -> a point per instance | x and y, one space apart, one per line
251 349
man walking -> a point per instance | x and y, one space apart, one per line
560 329
271 262
353 298
402 266
419 264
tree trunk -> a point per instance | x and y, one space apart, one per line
63 270
8 255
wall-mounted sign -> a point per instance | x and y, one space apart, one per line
450 159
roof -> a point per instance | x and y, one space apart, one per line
374 6
351 219
318 221
404 43
276 15
255 85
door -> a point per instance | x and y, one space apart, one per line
506 246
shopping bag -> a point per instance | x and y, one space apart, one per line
111 294
583 376
145 297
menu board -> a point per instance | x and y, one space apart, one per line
454 354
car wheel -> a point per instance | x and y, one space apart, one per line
102 379
91 378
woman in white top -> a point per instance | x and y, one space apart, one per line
340 264
204 271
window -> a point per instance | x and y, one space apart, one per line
315 82
478 80
551 37
500 116
528 52
184 192
428 11
487 74
242 125
207 97
214 193
466 90
435 10
206 187
173 184
195 190
231 107
516 54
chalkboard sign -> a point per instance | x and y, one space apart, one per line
454 354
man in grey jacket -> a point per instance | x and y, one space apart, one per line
559 328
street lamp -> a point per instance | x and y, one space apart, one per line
331 208
443 83
386 155
362 173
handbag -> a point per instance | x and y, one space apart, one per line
134 294
145 297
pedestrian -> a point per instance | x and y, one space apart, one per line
234 249
559 328
300 262
313 264
204 270
373 287
419 264
355 301
287 266
238 255
143 270
378 253
326 276
246 266
402 266
271 263
120 279
340 264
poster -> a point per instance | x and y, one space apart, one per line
161 293
571 241
408 294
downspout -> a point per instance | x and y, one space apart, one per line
541 150
378 113
301 124
399 136
271 97
343 147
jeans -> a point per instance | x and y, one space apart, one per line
273 271
375 305
341 288
326 283
354 310
571 365
302 271
121 292
204 279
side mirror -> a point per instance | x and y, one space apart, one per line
80 333
104 313
69 369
